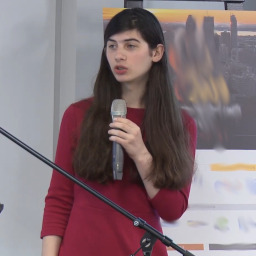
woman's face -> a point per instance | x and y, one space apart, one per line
129 57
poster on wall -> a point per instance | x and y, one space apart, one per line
212 56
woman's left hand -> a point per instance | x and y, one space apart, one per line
128 135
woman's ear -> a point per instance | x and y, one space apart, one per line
157 53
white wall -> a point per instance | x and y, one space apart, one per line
249 5
27 43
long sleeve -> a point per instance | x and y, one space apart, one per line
59 200
171 204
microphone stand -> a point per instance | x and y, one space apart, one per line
151 234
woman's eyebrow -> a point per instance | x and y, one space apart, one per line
125 40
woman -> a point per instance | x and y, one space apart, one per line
158 140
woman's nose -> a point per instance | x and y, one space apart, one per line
120 55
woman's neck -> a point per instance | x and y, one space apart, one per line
133 95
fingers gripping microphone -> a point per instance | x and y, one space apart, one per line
118 109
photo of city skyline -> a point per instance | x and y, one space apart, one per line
214 70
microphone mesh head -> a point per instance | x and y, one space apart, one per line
118 108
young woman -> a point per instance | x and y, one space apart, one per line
157 137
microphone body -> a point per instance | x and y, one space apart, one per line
118 109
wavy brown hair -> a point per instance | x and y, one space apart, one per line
166 138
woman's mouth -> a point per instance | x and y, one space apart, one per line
120 70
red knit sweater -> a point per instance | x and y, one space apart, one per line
87 225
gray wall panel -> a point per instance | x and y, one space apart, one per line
26 110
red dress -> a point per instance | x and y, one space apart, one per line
87 225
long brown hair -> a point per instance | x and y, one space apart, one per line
166 138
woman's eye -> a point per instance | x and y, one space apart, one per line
131 46
111 46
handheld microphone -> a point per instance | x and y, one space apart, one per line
118 109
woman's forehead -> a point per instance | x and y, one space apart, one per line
127 35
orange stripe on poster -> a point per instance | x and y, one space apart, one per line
233 167
189 247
